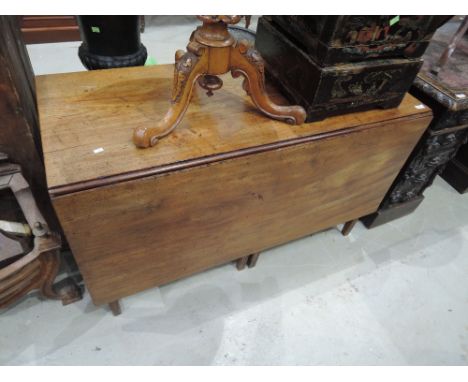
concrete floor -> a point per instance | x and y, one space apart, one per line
394 295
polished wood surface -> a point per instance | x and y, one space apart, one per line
82 113
228 183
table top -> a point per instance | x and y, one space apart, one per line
87 119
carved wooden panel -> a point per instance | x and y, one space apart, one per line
427 160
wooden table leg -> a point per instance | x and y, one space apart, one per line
241 262
252 261
115 307
348 227
249 260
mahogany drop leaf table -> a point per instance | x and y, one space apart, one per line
228 184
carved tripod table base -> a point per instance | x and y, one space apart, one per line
213 51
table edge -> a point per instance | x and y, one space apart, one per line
61 190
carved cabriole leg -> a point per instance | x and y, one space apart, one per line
213 51
19 282
247 61
37 270
114 306
50 263
66 290
187 69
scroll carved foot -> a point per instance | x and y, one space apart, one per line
65 290
188 68
213 51
246 61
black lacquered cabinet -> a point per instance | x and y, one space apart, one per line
447 95
341 39
333 65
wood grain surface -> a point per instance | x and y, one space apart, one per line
227 184
87 111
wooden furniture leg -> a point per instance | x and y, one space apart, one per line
66 290
114 306
188 68
249 260
37 270
348 227
241 262
50 262
246 61
252 261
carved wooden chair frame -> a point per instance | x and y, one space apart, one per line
38 268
